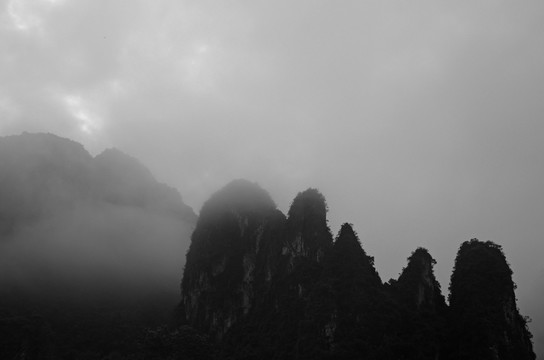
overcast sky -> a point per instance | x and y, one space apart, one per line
421 121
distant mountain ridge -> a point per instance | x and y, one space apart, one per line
44 170
91 249
268 286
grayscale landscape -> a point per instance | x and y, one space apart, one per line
183 179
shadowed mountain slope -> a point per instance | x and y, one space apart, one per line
485 321
267 286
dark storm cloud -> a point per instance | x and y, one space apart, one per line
420 122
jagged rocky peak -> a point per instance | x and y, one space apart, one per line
417 282
308 204
347 249
240 249
347 240
343 305
308 234
222 262
255 280
486 320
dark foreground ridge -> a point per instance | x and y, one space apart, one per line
263 285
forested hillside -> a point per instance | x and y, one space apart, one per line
263 285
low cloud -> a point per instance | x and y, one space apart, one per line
421 123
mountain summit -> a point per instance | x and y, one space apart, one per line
268 286
485 320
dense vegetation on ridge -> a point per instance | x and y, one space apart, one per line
264 285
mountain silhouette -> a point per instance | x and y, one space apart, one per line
92 249
264 285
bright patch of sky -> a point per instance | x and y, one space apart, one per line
88 122
23 19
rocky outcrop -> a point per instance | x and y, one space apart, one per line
218 287
248 262
344 306
267 286
417 286
420 323
485 321
308 235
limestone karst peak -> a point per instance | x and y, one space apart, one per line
309 202
273 287
241 196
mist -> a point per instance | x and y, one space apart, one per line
71 217
96 245
421 123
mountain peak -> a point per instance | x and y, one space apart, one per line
309 202
266 286
347 237
347 253
417 284
241 196
483 305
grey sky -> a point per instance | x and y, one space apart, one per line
421 122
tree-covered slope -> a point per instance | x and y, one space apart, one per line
484 318
269 286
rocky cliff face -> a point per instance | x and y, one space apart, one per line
247 262
344 306
417 286
268 286
486 323
308 235
420 325
218 287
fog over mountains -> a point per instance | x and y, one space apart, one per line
86 240
265 285
93 249
420 122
